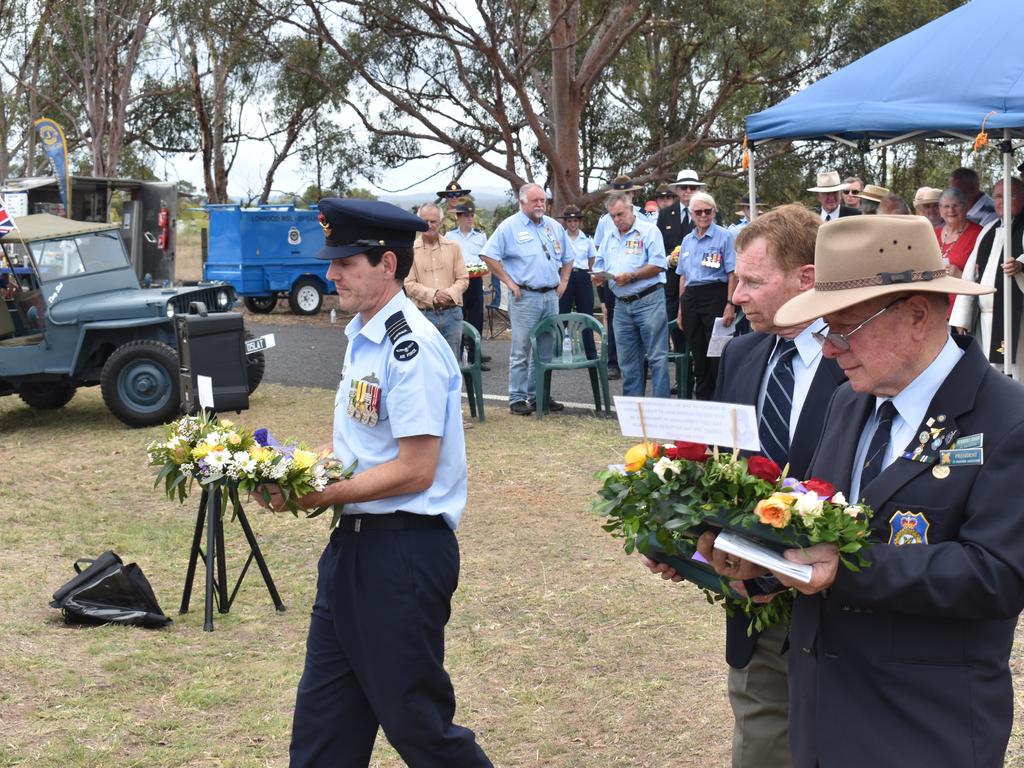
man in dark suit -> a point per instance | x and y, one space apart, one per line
774 262
675 223
905 662
827 189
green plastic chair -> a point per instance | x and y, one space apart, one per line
555 328
471 373
683 364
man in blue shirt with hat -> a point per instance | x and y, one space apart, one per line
375 652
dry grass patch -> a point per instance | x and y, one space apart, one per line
563 651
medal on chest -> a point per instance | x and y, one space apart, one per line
364 400
712 260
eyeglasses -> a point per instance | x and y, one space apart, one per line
841 341
702 211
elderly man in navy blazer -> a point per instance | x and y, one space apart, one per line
780 371
906 662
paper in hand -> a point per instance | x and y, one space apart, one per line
720 336
747 549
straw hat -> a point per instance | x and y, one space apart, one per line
688 178
926 195
874 193
829 181
858 258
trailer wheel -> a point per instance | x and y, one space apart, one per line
140 383
261 305
49 395
305 297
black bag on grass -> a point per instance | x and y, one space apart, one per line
109 592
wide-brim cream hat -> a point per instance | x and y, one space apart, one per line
829 181
874 193
858 258
927 195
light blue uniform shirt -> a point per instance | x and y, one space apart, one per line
911 405
470 244
708 259
532 254
605 226
805 365
628 251
583 250
400 379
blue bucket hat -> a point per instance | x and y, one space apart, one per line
353 226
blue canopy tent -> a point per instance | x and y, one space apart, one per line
945 79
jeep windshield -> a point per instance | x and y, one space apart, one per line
78 255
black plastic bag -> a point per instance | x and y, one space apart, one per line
109 592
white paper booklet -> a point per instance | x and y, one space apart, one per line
749 550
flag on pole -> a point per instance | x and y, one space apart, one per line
6 222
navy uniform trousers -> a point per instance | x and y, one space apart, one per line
579 297
375 654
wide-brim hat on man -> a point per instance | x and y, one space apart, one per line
571 212
355 226
859 258
687 178
829 181
927 195
622 184
874 193
453 190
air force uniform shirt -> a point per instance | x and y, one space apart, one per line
471 244
583 250
400 379
532 254
631 250
708 259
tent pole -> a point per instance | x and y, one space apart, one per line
751 187
1008 281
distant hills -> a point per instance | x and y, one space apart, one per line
488 199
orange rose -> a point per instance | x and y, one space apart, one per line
774 510
637 455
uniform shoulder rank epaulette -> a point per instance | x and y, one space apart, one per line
396 327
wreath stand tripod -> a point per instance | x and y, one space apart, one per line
212 506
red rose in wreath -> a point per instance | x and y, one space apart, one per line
823 488
763 468
689 451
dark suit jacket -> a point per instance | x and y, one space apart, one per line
906 661
672 233
845 210
740 373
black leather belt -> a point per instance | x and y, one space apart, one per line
637 296
538 290
393 521
580 269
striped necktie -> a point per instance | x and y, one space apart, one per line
773 429
878 448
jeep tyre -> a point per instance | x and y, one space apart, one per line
47 394
255 365
261 305
140 383
305 297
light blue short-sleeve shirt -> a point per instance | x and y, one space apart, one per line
531 253
582 249
471 244
400 379
707 259
628 251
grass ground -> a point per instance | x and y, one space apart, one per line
563 651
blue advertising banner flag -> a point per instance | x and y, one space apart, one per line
56 148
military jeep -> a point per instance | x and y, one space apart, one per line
84 320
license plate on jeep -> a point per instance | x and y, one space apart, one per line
258 345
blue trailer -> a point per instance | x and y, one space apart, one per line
267 253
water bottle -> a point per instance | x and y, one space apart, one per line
334 315
567 348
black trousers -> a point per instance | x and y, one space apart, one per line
676 336
375 654
701 305
608 299
473 310
579 297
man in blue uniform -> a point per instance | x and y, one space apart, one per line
375 652
471 240
530 254
706 268
634 253
579 296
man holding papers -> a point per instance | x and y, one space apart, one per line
781 371
906 661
